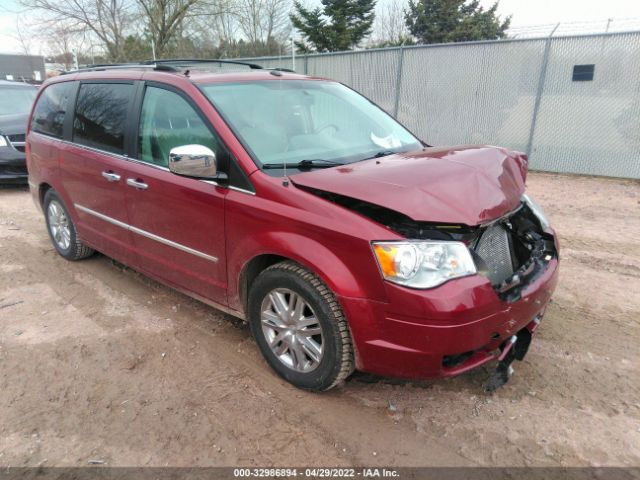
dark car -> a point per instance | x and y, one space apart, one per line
297 204
16 100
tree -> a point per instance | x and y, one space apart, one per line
338 25
164 20
105 19
62 41
262 21
241 28
137 48
443 21
23 35
390 28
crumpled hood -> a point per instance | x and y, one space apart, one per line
467 185
13 124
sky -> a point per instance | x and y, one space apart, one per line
536 12
524 13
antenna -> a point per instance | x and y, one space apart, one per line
285 180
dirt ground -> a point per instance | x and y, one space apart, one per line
100 363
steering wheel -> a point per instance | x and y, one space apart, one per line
328 125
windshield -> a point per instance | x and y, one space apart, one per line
289 121
15 100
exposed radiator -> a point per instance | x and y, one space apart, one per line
494 248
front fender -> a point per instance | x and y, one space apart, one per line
330 266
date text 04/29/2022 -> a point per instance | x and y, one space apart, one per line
317 472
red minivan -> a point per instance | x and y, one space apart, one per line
299 205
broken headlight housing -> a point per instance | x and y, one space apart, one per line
537 211
423 264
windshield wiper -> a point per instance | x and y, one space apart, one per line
381 153
318 162
304 164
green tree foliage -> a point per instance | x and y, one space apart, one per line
338 25
443 21
136 48
402 41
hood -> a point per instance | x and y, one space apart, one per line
13 124
468 185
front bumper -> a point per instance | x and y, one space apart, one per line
444 331
13 166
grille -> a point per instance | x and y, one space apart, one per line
17 141
18 137
13 170
494 248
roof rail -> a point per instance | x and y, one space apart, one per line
192 61
120 66
171 65
282 69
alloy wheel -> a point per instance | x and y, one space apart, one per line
292 330
59 225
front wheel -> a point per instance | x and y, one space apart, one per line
300 328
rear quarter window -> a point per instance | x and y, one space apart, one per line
101 115
48 115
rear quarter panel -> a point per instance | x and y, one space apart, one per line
43 163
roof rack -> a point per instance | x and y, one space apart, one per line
120 66
194 61
282 69
172 65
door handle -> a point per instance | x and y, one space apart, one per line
111 177
136 184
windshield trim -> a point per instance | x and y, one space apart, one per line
260 165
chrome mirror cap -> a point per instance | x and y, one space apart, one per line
195 161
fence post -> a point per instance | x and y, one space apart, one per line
398 81
541 80
306 64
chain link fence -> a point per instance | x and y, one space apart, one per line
520 93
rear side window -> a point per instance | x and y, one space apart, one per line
48 116
101 115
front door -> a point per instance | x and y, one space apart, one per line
177 223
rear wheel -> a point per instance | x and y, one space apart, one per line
62 231
299 327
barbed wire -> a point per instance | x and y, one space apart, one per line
609 25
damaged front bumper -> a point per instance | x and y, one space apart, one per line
513 349
448 330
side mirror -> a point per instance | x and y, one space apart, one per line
196 161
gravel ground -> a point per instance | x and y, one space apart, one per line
100 363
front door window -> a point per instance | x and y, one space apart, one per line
168 121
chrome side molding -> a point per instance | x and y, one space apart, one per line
146 234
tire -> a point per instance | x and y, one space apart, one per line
284 284
62 231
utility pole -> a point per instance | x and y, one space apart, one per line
293 55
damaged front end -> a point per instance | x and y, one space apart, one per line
511 251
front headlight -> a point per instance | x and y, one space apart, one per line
537 211
3 141
423 264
